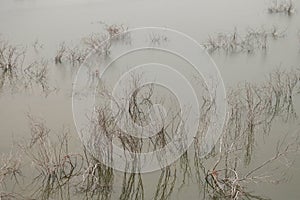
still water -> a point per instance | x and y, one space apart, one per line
23 22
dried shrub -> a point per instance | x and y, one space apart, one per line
235 42
54 164
11 63
282 6
98 43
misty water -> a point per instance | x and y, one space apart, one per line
40 27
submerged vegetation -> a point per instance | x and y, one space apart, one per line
235 42
18 73
51 159
10 173
99 42
11 61
226 173
282 6
73 55
253 109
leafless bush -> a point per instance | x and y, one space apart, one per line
73 55
76 55
10 168
36 74
115 30
98 42
15 72
253 109
284 87
226 180
235 42
282 6
101 42
51 159
10 57
10 173
11 63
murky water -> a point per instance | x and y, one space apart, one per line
52 22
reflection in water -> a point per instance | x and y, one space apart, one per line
166 183
53 163
224 174
11 62
17 75
132 187
74 55
97 179
250 42
253 109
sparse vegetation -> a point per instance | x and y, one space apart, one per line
10 173
99 43
37 74
253 111
252 40
76 55
115 30
15 72
10 57
73 55
282 6
10 168
226 179
11 63
51 159
223 174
